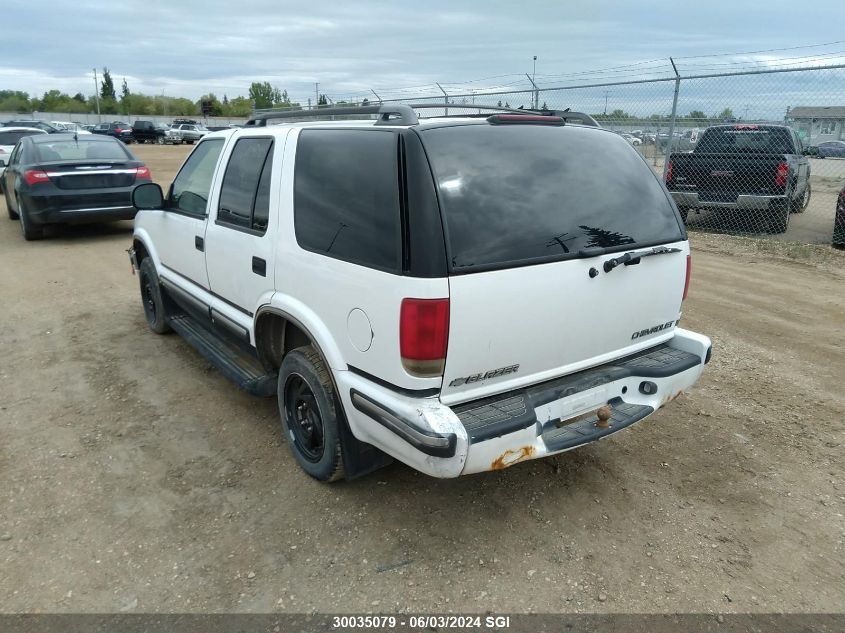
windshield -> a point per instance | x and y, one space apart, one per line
745 138
527 193
82 149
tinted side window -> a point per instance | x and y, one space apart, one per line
190 190
239 196
346 196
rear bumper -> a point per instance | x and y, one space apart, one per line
80 206
742 203
529 423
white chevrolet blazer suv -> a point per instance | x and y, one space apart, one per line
460 293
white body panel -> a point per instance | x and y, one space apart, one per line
332 288
553 319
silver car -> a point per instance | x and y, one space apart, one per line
186 133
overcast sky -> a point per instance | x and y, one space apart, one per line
190 47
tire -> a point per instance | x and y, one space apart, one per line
800 205
779 221
189 142
30 231
13 215
310 411
155 310
159 140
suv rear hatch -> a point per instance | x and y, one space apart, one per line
531 215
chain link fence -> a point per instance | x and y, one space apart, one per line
759 152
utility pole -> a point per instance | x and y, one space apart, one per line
317 93
536 92
97 96
606 95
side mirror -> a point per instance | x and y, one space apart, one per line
2 162
147 196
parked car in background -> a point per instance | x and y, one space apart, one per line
758 170
41 125
683 141
69 126
839 221
177 122
9 136
465 354
188 132
148 132
831 149
70 178
117 129
633 140
88 126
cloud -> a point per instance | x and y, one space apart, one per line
193 47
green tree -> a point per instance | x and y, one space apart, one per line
727 113
80 97
322 101
107 86
696 114
262 94
14 101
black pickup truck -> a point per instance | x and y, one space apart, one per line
148 132
757 170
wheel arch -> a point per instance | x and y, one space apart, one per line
277 332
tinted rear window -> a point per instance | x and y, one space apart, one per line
521 194
81 149
745 138
10 138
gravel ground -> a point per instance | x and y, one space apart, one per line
134 477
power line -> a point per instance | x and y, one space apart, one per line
769 50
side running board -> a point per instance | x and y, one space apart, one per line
234 361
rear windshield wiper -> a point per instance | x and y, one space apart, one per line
634 257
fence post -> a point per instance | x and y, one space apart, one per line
671 138
445 98
535 94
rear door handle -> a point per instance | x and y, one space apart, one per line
199 243
259 266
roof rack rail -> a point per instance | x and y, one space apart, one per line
404 115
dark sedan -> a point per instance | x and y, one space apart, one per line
116 129
839 221
832 149
69 179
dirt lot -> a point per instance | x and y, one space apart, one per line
134 477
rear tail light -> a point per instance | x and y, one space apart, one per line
118 130
669 172
35 176
686 281
423 336
143 173
781 173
